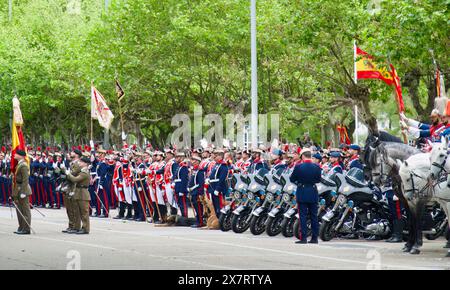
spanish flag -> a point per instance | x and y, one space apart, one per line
18 141
398 89
367 68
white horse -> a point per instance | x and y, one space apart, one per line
418 174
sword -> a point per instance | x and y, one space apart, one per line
96 194
24 219
43 215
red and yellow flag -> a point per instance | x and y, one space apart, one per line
366 68
343 135
398 89
18 141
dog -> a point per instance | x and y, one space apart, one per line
212 222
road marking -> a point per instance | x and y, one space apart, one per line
175 258
289 253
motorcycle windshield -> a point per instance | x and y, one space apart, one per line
328 179
278 177
260 176
355 177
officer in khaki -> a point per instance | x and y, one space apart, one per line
21 192
69 201
81 196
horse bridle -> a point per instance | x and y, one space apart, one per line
381 173
441 166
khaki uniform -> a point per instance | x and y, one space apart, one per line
22 186
69 201
81 199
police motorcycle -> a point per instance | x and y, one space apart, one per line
434 222
357 210
242 215
327 188
281 217
272 197
239 185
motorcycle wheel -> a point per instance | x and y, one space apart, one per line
258 224
432 237
287 227
274 225
238 222
297 228
327 230
225 222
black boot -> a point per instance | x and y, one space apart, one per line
129 212
173 210
121 211
397 232
447 245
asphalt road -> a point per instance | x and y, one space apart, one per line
116 244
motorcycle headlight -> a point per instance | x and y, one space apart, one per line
350 204
346 189
269 197
290 188
237 195
286 197
250 195
253 187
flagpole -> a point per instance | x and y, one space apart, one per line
92 120
254 75
120 93
356 82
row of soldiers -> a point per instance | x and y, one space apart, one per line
149 185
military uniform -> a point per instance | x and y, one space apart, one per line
69 200
218 185
196 190
20 196
81 200
3 182
306 175
181 187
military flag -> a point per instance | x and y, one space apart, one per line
440 102
343 135
18 140
398 89
100 110
367 68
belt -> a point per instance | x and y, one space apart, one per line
214 180
177 180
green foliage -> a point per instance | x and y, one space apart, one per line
171 54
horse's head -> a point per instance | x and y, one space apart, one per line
438 157
414 172
379 163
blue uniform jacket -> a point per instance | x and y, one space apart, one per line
197 182
181 178
306 175
218 178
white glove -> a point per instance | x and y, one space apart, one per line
403 124
207 181
216 193
22 196
71 194
403 117
411 122
63 166
181 194
413 132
